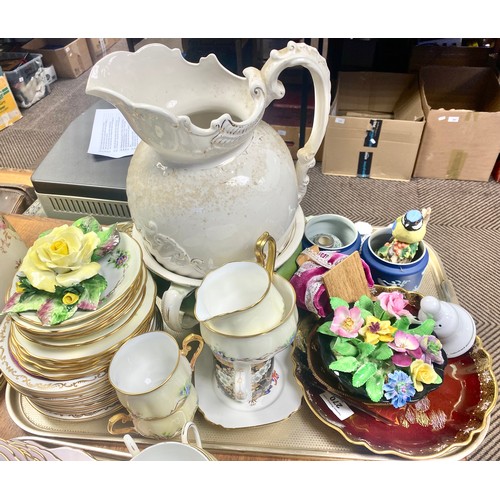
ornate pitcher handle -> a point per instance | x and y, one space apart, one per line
300 54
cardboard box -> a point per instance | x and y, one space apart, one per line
291 136
375 126
9 111
284 116
70 56
461 139
98 47
26 76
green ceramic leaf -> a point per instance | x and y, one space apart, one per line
325 328
363 373
343 347
92 291
426 328
348 364
377 309
402 324
365 349
364 302
438 380
382 352
374 387
25 302
365 313
87 224
337 302
54 312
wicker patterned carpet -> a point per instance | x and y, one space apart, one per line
464 228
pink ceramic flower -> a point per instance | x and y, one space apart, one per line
346 322
406 347
394 303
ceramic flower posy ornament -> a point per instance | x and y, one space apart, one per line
60 272
385 348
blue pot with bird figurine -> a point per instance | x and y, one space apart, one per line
405 275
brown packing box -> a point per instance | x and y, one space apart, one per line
375 126
9 111
291 136
461 139
284 116
98 47
69 56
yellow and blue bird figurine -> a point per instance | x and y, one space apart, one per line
408 231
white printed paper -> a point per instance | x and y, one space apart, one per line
112 135
341 410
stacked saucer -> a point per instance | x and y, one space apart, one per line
14 450
63 369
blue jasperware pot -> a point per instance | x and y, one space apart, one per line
407 276
328 226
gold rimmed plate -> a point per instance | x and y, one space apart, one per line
75 332
27 383
122 328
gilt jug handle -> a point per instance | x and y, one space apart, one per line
301 54
267 261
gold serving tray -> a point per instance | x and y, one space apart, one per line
300 436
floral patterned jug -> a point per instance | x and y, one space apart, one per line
210 176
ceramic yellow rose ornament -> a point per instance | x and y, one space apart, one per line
60 272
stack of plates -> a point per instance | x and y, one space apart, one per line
63 369
28 451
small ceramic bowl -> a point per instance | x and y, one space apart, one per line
407 276
332 232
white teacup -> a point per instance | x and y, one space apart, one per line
152 377
157 428
171 451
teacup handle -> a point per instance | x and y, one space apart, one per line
119 418
192 337
266 261
131 445
185 430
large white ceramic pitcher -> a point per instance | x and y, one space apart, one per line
209 176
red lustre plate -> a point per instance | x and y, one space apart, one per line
445 419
